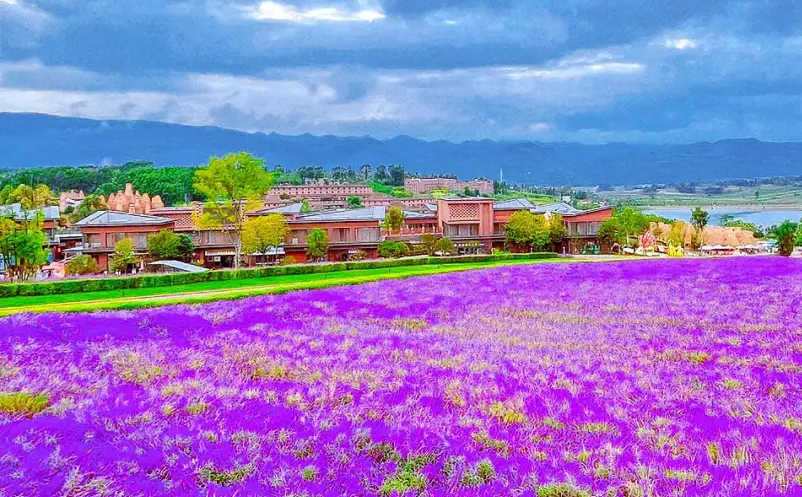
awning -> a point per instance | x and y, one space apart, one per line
219 253
179 266
270 251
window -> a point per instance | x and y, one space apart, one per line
140 240
113 238
341 234
368 234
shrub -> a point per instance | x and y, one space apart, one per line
393 249
429 242
444 246
81 265
359 255
159 280
288 261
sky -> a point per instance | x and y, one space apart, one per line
591 71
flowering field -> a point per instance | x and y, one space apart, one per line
652 378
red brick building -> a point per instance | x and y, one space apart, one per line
426 185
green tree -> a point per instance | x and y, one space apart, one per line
5 194
317 244
394 219
33 197
91 203
305 206
699 219
166 245
786 234
393 249
557 231
263 233
444 246
397 175
611 232
632 222
429 242
677 233
354 201
22 248
80 265
527 229
232 185
123 257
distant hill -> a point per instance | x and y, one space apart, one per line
33 140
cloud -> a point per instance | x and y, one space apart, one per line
273 11
680 43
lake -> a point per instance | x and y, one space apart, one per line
757 216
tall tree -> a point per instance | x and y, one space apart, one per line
232 185
366 171
317 244
527 229
123 257
31 197
91 203
397 174
22 248
394 218
786 237
167 244
381 174
263 233
699 220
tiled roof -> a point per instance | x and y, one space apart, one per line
113 218
50 212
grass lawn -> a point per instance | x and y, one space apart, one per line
217 290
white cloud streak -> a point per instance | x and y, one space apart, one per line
274 11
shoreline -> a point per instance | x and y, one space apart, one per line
733 207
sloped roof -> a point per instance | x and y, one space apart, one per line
514 204
376 213
114 218
284 209
50 212
555 208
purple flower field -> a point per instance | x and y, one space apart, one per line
650 378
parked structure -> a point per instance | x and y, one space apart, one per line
426 185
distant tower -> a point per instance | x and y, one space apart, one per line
500 175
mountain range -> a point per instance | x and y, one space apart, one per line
37 140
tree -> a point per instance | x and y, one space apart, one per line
381 174
429 242
22 248
305 206
33 197
166 244
366 170
444 246
397 175
393 249
557 231
123 256
91 203
611 233
317 244
677 233
81 265
5 194
699 220
525 228
232 185
632 222
786 234
263 233
394 219
354 202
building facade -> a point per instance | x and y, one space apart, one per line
426 185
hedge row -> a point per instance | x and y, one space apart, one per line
156 280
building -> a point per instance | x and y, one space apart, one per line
101 230
352 232
319 190
132 201
427 185
70 199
